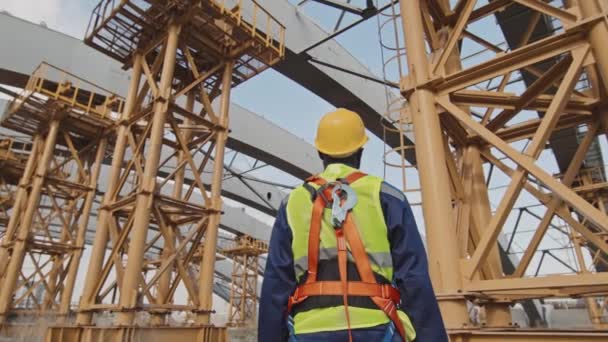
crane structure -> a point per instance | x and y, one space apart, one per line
467 113
245 252
67 122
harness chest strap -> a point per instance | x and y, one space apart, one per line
383 295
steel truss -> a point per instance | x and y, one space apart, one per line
590 183
66 118
461 123
183 55
245 252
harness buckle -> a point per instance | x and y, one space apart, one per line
295 299
344 199
321 191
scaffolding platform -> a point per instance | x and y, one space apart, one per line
14 152
211 31
244 251
245 245
87 110
67 123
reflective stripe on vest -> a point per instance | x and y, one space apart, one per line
381 259
328 315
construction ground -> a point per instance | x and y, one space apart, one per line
137 198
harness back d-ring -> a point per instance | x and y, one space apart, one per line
344 200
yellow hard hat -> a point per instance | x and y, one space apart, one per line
340 133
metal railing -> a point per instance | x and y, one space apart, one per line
260 23
14 147
245 245
50 82
100 13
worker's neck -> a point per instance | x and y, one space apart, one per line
353 160
352 163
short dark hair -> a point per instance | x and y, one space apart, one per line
354 160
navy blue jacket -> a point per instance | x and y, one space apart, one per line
410 275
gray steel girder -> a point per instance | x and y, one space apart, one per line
340 89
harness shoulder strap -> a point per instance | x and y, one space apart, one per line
355 176
388 305
311 190
358 250
314 237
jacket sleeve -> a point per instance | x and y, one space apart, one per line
279 282
411 267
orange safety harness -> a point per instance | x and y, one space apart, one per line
385 296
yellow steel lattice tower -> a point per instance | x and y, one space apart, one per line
184 56
68 120
245 253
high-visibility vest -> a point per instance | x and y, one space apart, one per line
318 303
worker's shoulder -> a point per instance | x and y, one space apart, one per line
390 190
297 191
374 177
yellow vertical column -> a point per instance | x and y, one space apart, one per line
164 282
208 261
434 180
19 248
497 314
598 35
145 196
66 296
101 233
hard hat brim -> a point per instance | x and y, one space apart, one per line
342 153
